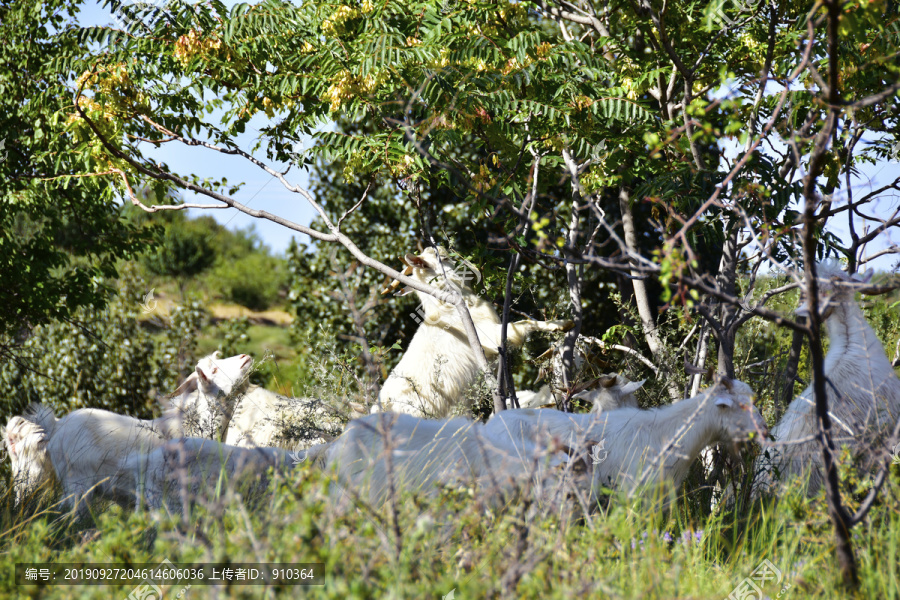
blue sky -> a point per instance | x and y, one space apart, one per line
263 192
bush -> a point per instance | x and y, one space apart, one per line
253 280
186 249
101 358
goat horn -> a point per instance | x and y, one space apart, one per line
546 354
877 290
589 385
396 283
692 369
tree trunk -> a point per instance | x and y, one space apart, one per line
784 396
726 280
700 359
839 517
574 284
642 298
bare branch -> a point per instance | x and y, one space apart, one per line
625 349
876 98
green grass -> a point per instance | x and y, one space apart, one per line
453 542
264 339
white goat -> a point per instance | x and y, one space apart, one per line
634 447
862 389
86 446
181 471
608 392
424 452
264 418
438 365
26 445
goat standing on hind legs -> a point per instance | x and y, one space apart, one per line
863 392
439 365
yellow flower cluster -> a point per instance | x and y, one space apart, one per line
104 118
582 102
437 121
543 49
104 78
514 14
484 179
345 86
93 108
441 61
189 46
403 167
555 142
335 25
367 6
630 88
513 64
115 84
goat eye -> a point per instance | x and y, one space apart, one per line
215 369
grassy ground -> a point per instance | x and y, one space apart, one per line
454 544
264 339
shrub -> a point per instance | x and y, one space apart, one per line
253 280
186 249
101 358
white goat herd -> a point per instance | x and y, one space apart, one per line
172 460
84 450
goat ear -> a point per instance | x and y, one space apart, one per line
608 381
416 261
187 385
724 401
692 369
202 377
864 277
634 386
550 352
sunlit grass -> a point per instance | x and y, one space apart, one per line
454 543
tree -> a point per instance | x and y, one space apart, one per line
614 119
61 231
186 249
